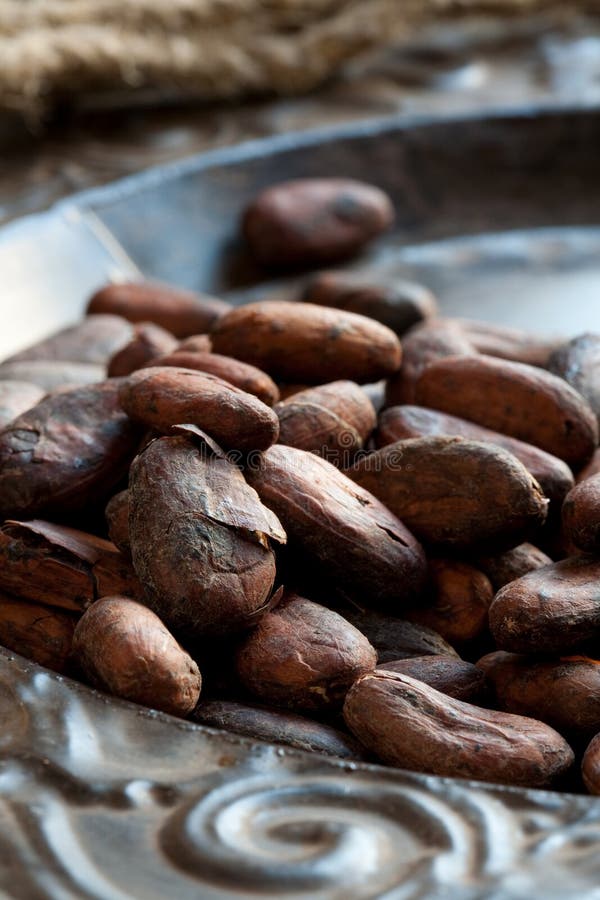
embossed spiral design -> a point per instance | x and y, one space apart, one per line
316 834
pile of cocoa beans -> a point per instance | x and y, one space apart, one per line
336 521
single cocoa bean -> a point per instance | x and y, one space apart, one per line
183 313
395 638
305 343
42 635
460 599
123 648
340 530
455 493
147 342
333 421
65 453
550 610
401 422
564 693
314 220
393 302
519 400
162 397
200 538
277 727
303 656
506 567
455 677
59 566
409 724
245 377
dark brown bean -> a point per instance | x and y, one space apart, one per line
407 723
277 727
303 656
339 529
162 397
37 632
455 677
550 610
314 220
183 313
401 422
506 567
305 343
200 539
581 516
393 302
455 493
65 453
519 400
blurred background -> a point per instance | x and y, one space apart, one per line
91 90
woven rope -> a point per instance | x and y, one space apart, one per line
210 49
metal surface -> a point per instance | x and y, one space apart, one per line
102 799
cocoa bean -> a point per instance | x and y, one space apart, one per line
565 693
200 538
123 648
333 421
460 599
243 376
299 342
422 345
409 724
401 422
519 400
506 567
395 638
314 220
455 677
277 727
65 453
455 493
303 656
550 610
59 566
43 635
340 530
395 303
162 397
581 516
183 313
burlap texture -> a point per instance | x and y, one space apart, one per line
211 49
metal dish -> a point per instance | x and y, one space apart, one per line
103 799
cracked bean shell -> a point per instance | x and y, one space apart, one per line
200 538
